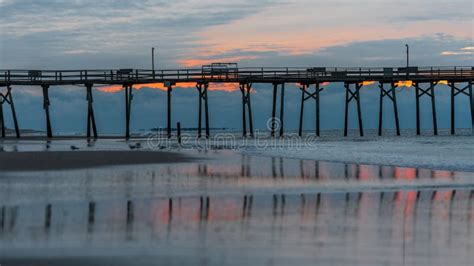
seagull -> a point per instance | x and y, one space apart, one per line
137 145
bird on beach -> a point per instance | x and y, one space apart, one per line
137 145
74 147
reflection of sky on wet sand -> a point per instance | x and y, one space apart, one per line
237 209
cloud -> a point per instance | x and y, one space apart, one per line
468 50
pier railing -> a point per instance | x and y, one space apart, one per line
253 74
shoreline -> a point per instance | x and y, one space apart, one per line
450 153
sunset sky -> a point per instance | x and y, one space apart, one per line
119 34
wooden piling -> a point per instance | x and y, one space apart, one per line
471 98
359 112
245 88
382 93
417 106
2 119
46 104
12 107
303 92
282 109
353 95
273 122
317 109
91 216
47 216
244 100
249 107
128 108
178 126
346 112
168 127
390 93
433 108
129 212
90 113
395 108
206 109
199 88
453 123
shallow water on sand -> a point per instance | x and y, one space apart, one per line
232 209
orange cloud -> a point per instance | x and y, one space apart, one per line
229 87
367 83
404 83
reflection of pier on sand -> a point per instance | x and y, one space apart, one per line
348 214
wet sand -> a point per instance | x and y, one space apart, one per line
63 160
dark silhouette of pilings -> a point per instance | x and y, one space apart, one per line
91 215
390 93
2 121
419 92
472 105
128 108
46 104
130 212
353 95
467 90
274 124
168 104
204 208
178 127
90 112
8 98
306 95
47 216
245 88
202 90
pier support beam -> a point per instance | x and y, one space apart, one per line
245 88
306 95
467 90
274 124
169 85
90 112
8 98
390 93
46 104
419 92
353 95
202 90
2 121
128 107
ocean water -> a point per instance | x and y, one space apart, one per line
228 208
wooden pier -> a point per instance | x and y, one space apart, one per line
310 81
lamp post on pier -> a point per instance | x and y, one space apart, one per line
408 55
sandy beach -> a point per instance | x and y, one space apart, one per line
62 160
